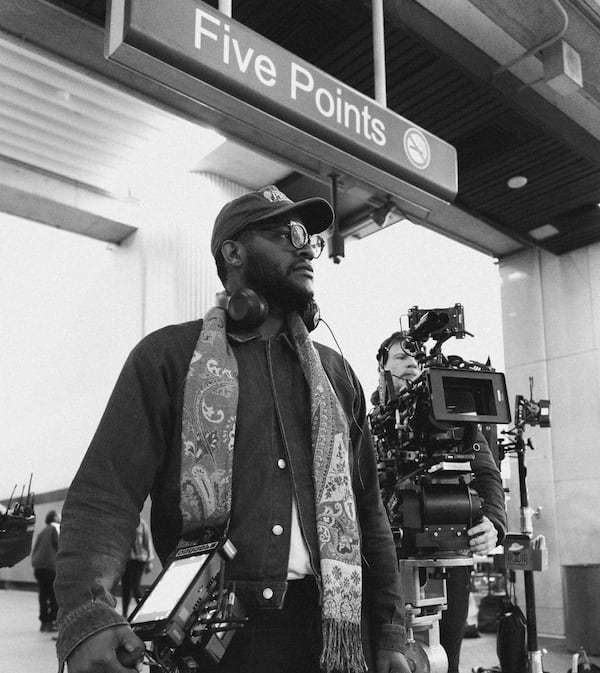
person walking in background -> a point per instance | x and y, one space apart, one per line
43 560
139 563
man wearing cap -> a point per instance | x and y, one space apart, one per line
240 423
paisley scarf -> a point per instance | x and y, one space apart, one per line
208 438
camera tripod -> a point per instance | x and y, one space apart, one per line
425 597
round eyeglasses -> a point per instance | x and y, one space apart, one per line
298 236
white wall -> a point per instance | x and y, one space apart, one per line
73 307
70 311
551 308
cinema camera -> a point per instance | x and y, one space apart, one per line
425 436
17 523
190 613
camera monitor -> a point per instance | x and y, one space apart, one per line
188 579
162 600
468 396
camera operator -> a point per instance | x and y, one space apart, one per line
395 357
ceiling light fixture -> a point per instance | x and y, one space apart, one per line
562 68
517 181
543 232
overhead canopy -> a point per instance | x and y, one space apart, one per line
442 75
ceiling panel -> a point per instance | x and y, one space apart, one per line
74 126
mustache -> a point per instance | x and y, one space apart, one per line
301 266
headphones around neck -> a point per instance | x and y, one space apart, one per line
249 310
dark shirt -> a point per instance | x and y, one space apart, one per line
45 548
136 451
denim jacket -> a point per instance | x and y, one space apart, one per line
136 451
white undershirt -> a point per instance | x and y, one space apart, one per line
299 559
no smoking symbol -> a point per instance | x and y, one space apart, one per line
417 148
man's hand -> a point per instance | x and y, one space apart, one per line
390 661
483 537
113 650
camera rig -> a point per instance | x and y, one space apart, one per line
190 613
426 432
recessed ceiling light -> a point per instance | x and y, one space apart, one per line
517 181
545 231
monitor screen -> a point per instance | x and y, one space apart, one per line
472 397
160 602
468 396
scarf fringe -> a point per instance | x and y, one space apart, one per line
342 648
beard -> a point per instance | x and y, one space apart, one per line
277 288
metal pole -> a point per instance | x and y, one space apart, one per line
379 52
336 240
225 7
533 653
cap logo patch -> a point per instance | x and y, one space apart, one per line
273 195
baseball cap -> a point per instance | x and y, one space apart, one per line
263 204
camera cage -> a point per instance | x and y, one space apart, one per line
459 390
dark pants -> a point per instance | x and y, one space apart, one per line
48 606
454 618
277 641
131 583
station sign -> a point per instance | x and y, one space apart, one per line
215 50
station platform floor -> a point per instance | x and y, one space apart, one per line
24 649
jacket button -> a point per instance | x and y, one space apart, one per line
281 464
277 529
267 593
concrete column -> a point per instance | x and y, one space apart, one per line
551 322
